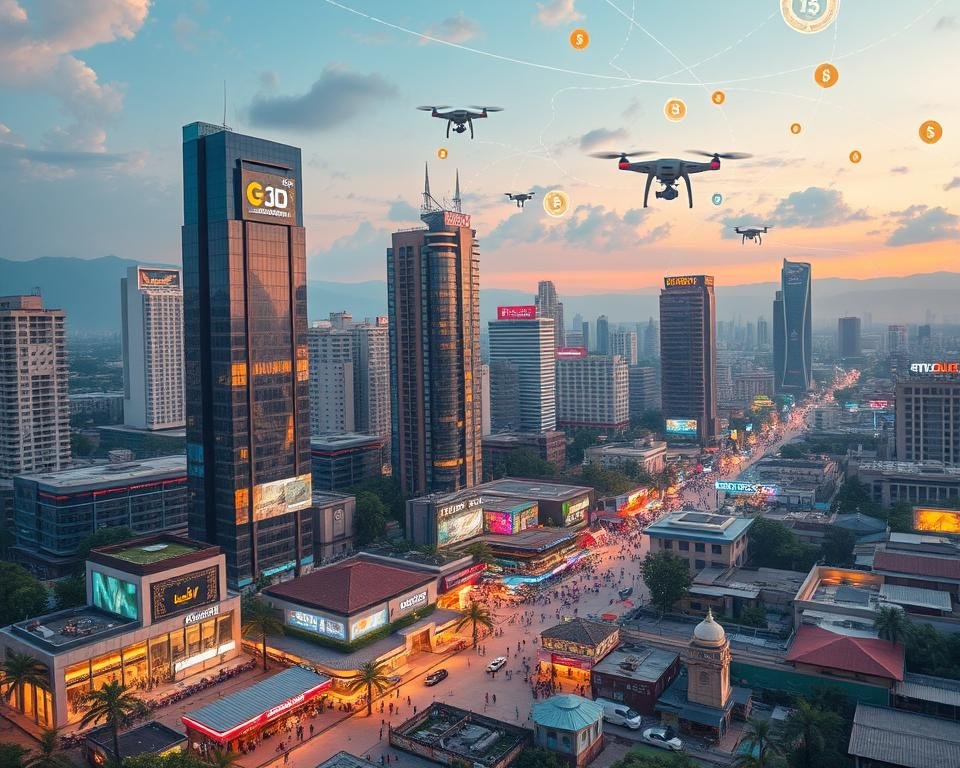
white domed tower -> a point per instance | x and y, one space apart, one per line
707 658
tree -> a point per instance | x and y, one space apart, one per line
854 496
900 517
81 445
186 759
20 670
758 738
22 595
578 443
891 623
815 738
773 545
753 616
112 704
838 546
221 758
537 757
644 759
103 537
667 577
11 755
258 619
791 452
525 462
70 591
477 615
388 490
48 754
370 675
930 652
371 518
481 552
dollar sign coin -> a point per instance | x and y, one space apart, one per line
931 132
556 203
855 156
826 75
795 128
579 39
718 97
675 110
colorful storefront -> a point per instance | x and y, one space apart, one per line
508 516
572 648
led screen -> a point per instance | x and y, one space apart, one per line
115 595
460 527
682 426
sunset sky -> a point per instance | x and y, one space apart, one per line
93 94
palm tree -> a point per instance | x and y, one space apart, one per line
112 704
757 737
258 619
481 552
221 758
802 735
477 615
891 624
48 754
370 675
19 669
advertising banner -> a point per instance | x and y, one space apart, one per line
466 576
319 625
681 426
938 520
737 488
184 593
158 278
455 219
568 352
368 624
460 526
687 281
524 312
570 661
574 511
935 368
268 198
279 498
115 595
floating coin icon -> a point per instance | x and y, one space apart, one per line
809 16
718 97
795 128
675 110
717 198
855 156
442 153
931 132
556 202
826 75
579 39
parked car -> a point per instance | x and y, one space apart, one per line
394 679
619 713
663 738
498 662
435 677
625 593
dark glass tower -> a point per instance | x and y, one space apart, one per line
793 330
245 321
848 336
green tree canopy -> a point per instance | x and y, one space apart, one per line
644 759
667 577
608 482
900 517
854 496
792 452
773 545
537 757
837 547
70 591
387 489
112 703
22 596
524 462
371 518
103 537
11 755
258 620
929 652
185 759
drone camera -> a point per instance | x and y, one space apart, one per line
670 193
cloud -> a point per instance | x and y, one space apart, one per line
454 29
359 255
946 22
186 32
815 207
15 155
954 183
336 98
37 53
401 210
557 12
920 224
634 108
269 79
600 137
900 169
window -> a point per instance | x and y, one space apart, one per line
704 678
684 546
716 549
699 564
667 544
700 547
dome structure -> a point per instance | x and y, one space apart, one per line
708 632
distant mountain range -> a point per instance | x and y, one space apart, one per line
89 290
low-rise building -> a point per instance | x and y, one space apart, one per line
334 525
867 660
143 443
920 560
882 737
96 407
635 675
702 539
574 647
649 455
344 461
549 446
727 592
913 482
570 726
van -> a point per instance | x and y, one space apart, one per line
619 713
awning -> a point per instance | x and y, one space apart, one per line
259 704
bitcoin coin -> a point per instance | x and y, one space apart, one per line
826 75
442 153
855 156
675 110
809 16
579 39
795 128
718 97
556 202
931 132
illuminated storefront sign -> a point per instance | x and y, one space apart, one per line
681 426
573 511
466 576
205 656
368 624
568 352
182 593
158 278
746 489
414 600
570 661
319 625
878 405
452 509
524 312
934 367
206 613
684 281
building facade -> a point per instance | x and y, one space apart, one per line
593 392
928 419
548 304
848 337
704 540
34 403
331 381
371 377
151 304
503 409
603 335
526 344
624 343
793 330
247 367
345 461
644 386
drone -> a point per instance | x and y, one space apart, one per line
520 197
750 233
460 118
669 170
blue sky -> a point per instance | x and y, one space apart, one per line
93 94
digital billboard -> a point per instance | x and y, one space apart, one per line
460 526
184 593
681 427
934 367
524 312
938 520
686 281
319 625
737 488
567 352
158 278
115 595
574 511
368 624
279 498
512 520
268 198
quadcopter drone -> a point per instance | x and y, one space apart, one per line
520 197
668 171
460 118
750 233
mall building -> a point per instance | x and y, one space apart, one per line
158 611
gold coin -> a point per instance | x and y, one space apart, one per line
809 16
795 128
556 203
718 97
855 156
579 39
826 75
675 110
442 153
931 132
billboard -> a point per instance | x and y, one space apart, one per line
184 593
368 624
278 498
459 526
574 511
686 281
737 488
681 427
938 520
878 405
158 278
523 312
566 352
319 625
467 576
934 367
114 595
509 521
268 198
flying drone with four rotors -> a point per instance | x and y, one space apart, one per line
520 197
460 118
750 233
669 170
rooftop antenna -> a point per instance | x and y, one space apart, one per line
429 203
225 126
456 195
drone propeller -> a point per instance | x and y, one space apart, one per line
430 109
486 109
615 155
721 155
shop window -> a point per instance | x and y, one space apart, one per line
565 743
135 666
225 629
160 668
106 669
178 650
193 640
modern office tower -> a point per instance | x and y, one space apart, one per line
624 343
504 408
371 377
34 403
585 332
688 357
151 305
574 338
848 337
331 381
644 390
750 338
793 330
763 333
923 335
603 335
651 341
433 294
529 345
548 305
247 369
593 392
577 321
928 415
897 339
485 428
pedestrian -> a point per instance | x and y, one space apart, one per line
286 758
381 734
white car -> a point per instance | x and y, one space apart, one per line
657 737
498 662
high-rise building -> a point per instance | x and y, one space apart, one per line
624 343
504 409
644 390
433 294
603 335
528 344
247 369
151 305
763 333
34 402
549 305
928 417
897 339
651 341
574 338
793 330
688 356
371 377
332 391
593 392
923 335
848 337
485 428
341 320
750 339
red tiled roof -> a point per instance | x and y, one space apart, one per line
866 655
349 586
917 565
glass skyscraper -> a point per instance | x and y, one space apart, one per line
246 363
793 330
